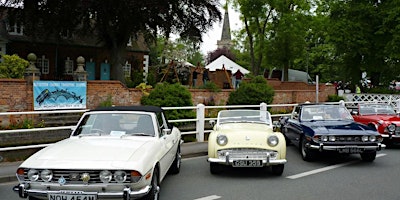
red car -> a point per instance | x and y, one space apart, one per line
381 116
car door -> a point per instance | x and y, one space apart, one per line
167 142
292 127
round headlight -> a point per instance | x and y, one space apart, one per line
372 138
324 138
222 140
272 140
365 138
33 175
120 176
391 127
105 176
46 175
332 138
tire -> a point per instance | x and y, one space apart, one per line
306 154
277 170
368 156
176 165
215 168
155 187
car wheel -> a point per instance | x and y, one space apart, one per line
277 169
215 168
368 156
155 187
176 165
306 154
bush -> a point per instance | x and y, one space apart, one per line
12 66
334 98
253 92
171 95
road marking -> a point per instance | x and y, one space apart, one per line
315 171
212 197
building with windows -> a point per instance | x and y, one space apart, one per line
56 58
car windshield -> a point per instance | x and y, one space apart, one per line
325 112
115 124
244 116
376 109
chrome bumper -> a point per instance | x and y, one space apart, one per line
127 194
322 147
228 160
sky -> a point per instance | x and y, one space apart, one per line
213 35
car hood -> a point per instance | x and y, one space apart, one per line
339 127
90 152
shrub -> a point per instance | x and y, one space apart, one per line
12 67
253 92
171 95
334 98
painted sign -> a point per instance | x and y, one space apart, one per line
55 95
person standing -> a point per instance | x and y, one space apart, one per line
194 76
205 76
238 76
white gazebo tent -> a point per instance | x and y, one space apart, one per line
223 61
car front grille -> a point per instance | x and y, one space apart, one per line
74 176
248 154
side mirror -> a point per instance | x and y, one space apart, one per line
212 122
166 131
276 126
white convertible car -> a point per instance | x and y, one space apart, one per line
113 153
246 138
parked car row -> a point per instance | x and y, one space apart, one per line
126 152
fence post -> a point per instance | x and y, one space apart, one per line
200 123
263 106
398 105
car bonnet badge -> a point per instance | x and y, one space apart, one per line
62 180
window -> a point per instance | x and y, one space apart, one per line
127 69
43 64
15 29
69 66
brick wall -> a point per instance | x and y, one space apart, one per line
17 95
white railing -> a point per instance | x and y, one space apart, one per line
200 119
199 131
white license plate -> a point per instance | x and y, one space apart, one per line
247 163
72 197
350 150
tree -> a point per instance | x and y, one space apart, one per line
12 66
115 22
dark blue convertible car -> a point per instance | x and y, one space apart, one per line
327 127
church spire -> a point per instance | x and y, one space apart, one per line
226 41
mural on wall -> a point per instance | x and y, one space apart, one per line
53 95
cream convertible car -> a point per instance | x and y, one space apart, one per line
113 153
245 138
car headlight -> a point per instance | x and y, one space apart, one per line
391 127
46 175
222 140
120 176
372 138
365 138
332 138
33 175
105 176
324 138
273 140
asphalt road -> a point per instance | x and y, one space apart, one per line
329 178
